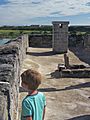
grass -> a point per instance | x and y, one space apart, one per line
80 33
9 33
15 33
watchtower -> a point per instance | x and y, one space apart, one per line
60 36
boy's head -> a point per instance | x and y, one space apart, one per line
31 78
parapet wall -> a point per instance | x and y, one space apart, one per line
40 41
11 57
87 41
46 41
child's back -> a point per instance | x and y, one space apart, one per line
33 105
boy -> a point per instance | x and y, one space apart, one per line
33 105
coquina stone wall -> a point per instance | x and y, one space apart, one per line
11 57
87 41
40 41
46 41
60 36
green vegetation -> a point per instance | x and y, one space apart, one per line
35 27
9 33
15 31
79 30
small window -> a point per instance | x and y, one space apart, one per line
61 25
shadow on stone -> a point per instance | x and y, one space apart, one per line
49 53
49 89
84 117
56 74
72 87
82 85
71 73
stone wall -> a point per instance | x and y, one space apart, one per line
46 41
40 41
11 57
87 41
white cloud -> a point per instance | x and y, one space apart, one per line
17 11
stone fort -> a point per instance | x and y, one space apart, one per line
11 57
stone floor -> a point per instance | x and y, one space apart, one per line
67 98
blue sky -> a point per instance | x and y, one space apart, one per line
27 12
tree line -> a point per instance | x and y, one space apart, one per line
45 28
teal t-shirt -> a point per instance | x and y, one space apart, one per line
33 106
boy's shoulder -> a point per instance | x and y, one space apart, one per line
39 98
39 94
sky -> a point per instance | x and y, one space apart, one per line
28 12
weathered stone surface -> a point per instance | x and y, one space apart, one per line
87 41
4 100
9 49
11 56
6 72
7 59
76 73
40 41
60 36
